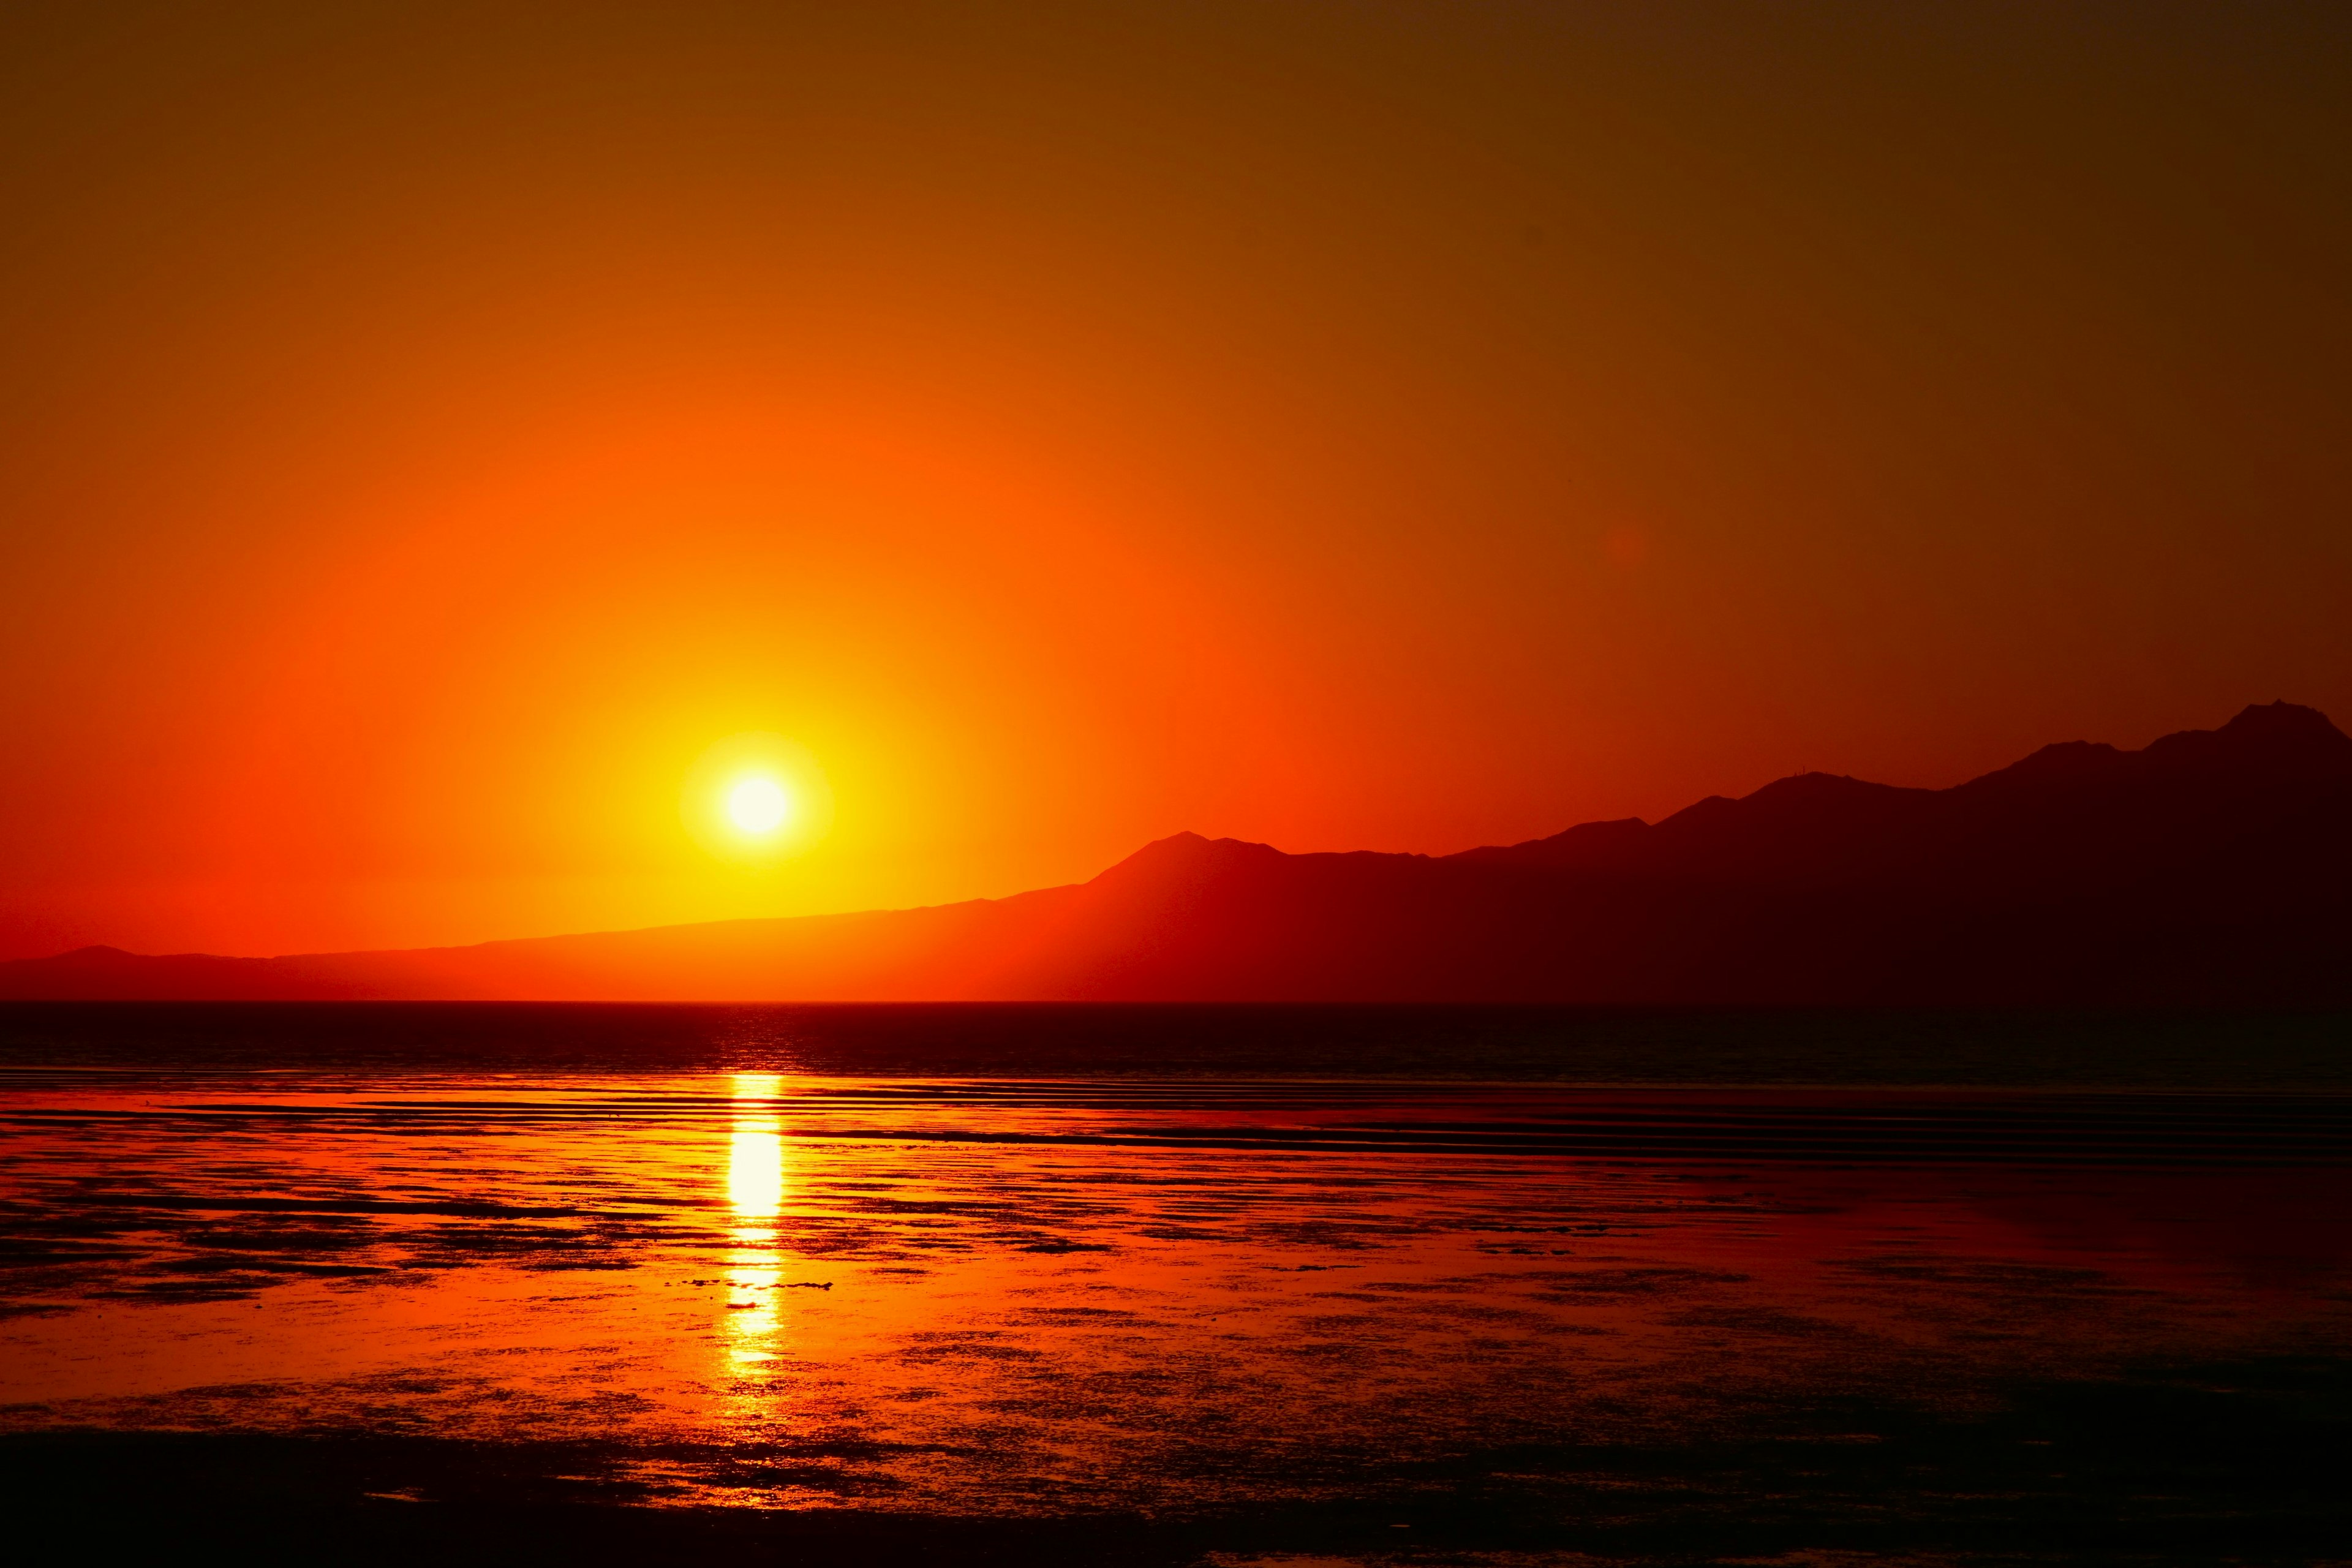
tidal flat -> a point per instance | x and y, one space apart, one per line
1170 1285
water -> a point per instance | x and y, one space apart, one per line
687 1268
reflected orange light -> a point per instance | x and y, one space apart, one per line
755 1160
755 1191
755 1173
752 1313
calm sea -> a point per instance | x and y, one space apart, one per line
1227 1284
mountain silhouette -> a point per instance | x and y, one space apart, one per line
2211 868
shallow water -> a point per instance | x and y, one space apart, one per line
1158 1298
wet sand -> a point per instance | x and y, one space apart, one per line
1164 1316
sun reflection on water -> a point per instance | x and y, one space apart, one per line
755 1170
755 1193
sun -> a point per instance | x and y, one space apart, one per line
756 800
758 805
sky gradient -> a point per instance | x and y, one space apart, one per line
430 431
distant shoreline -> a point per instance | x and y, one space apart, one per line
2073 1049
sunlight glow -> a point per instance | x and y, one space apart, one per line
755 1191
755 800
755 1158
758 805
755 1174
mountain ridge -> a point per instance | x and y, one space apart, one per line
2209 867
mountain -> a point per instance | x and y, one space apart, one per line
2214 867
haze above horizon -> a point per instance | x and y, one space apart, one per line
451 458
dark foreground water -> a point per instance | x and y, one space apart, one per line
1177 1285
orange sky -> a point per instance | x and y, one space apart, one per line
427 431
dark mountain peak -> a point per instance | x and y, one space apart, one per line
2285 719
1192 845
2063 764
1828 789
1189 855
2275 737
1814 783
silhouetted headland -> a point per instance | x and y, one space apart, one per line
2212 868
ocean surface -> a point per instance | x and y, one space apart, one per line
1216 1285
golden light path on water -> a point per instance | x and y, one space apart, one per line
755 1195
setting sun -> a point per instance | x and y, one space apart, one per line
758 805
756 800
